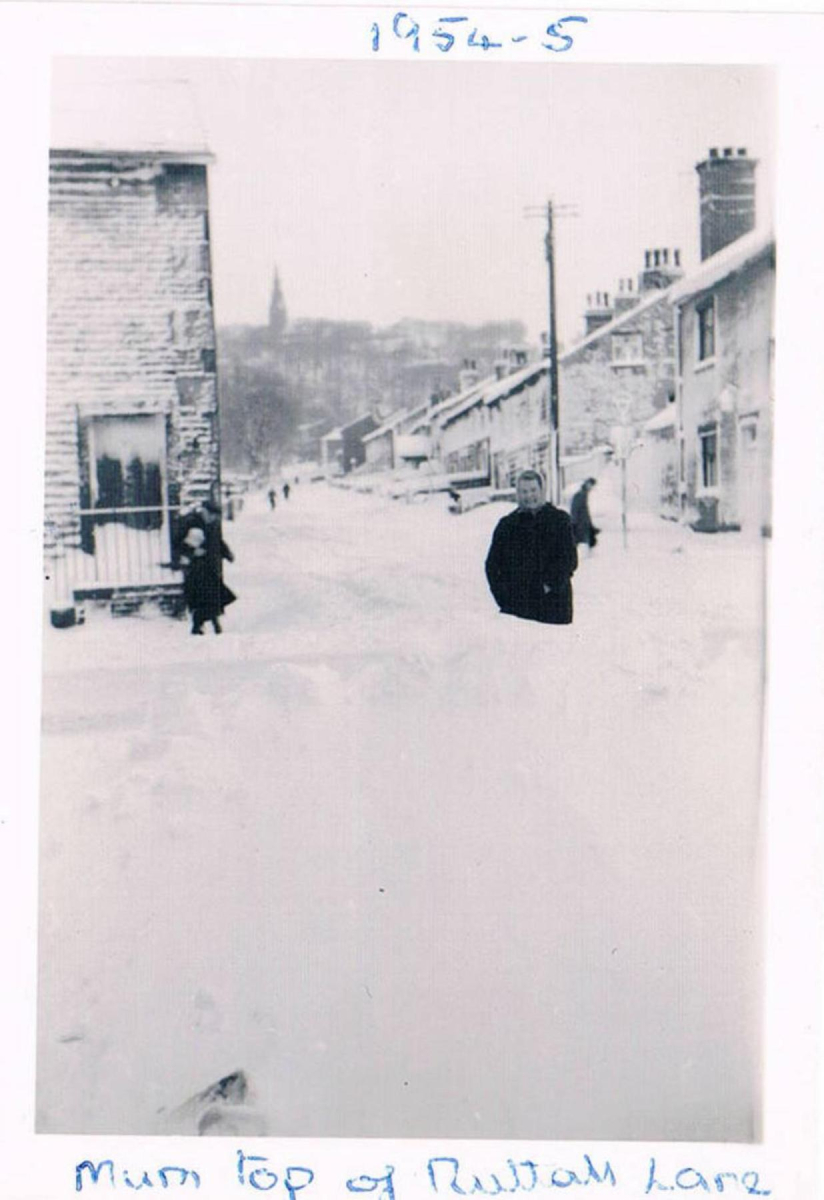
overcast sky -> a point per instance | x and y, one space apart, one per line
383 190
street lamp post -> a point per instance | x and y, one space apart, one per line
623 441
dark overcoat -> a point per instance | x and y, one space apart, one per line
204 591
585 532
530 564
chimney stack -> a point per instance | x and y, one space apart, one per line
597 314
468 376
726 198
626 298
659 270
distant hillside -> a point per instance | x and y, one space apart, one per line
283 386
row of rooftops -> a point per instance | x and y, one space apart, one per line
739 254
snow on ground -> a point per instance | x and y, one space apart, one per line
415 867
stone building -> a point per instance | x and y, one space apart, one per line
131 401
402 440
725 347
623 370
353 453
725 386
690 414
496 427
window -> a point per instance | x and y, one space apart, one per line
627 348
705 312
709 457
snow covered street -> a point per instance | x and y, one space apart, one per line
415 867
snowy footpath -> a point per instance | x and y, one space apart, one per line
416 868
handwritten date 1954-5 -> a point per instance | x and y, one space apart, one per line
447 31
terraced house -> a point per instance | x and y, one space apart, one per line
131 419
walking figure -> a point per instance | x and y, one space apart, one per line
286 490
202 550
585 532
272 499
532 557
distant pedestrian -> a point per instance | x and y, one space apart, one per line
201 553
272 499
532 557
585 532
286 490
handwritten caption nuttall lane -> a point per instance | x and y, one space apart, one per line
443 1175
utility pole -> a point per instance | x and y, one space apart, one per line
552 370
551 211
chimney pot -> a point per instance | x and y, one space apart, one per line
742 152
657 258
665 254
646 258
714 152
606 299
629 285
676 254
728 152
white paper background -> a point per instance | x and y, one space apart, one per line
29 35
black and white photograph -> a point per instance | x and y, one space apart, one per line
407 512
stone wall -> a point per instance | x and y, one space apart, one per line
598 392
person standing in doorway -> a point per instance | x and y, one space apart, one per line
532 557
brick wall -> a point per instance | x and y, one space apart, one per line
130 320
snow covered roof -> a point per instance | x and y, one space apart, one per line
463 402
618 322
129 117
353 424
412 446
663 419
726 262
492 389
484 391
333 435
388 425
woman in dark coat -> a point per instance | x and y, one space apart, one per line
202 551
585 532
532 557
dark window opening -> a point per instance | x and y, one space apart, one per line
706 329
709 458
